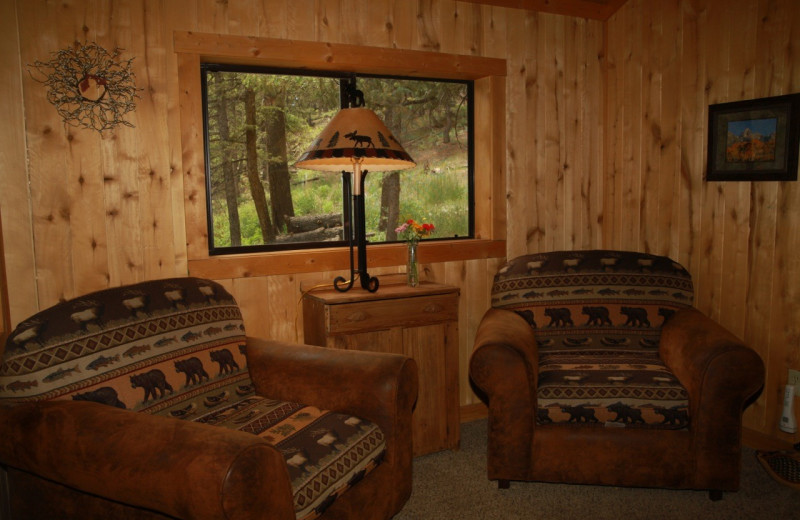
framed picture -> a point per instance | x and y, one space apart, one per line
754 140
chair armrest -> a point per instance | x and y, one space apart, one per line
379 387
504 365
721 375
713 364
182 469
505 358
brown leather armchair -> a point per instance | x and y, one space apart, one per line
597 370
207 442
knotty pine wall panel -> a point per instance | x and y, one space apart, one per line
14 195
598 153
667 61
81 211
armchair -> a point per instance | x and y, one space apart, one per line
228 426
597 370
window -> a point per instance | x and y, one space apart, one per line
258 121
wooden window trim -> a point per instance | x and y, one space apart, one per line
192 49
593 9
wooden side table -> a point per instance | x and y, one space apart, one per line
420 322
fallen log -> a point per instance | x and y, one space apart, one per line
316 235
313 222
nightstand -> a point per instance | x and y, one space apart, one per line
419 322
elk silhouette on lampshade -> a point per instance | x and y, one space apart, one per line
355 142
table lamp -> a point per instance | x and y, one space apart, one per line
355 142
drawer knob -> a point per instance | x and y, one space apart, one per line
357 316
432 307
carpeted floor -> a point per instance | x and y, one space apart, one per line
452 485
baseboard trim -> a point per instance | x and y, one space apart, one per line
761 441
473 412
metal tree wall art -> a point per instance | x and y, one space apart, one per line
90 87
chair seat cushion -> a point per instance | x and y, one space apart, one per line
326 452
610 388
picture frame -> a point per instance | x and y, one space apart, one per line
754 140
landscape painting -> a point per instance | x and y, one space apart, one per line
751 140
754 140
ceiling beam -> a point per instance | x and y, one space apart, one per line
593 9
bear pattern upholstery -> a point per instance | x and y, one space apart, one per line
177 348
597 316
607 345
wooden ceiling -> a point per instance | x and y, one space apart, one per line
594 9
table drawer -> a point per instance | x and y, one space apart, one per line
385 314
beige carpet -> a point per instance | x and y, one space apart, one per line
453 485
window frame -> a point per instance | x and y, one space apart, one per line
208 66
488 75
214 250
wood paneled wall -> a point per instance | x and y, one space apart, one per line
605 139
667 61
83 211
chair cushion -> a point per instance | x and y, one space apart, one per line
609 388
326 452
599 299
176 348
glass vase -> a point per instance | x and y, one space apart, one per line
412 269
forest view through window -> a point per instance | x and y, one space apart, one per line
257 123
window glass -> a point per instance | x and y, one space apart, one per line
259 122
431 120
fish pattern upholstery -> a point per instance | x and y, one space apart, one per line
177 348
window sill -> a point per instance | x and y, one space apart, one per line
333 259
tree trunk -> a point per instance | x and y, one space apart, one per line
390 204
390 190
256 188
229 179
448 125
280 191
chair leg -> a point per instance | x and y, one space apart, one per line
5 495
503 484
715 495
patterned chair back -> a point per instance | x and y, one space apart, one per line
155 346
601 300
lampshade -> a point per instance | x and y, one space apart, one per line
355 135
